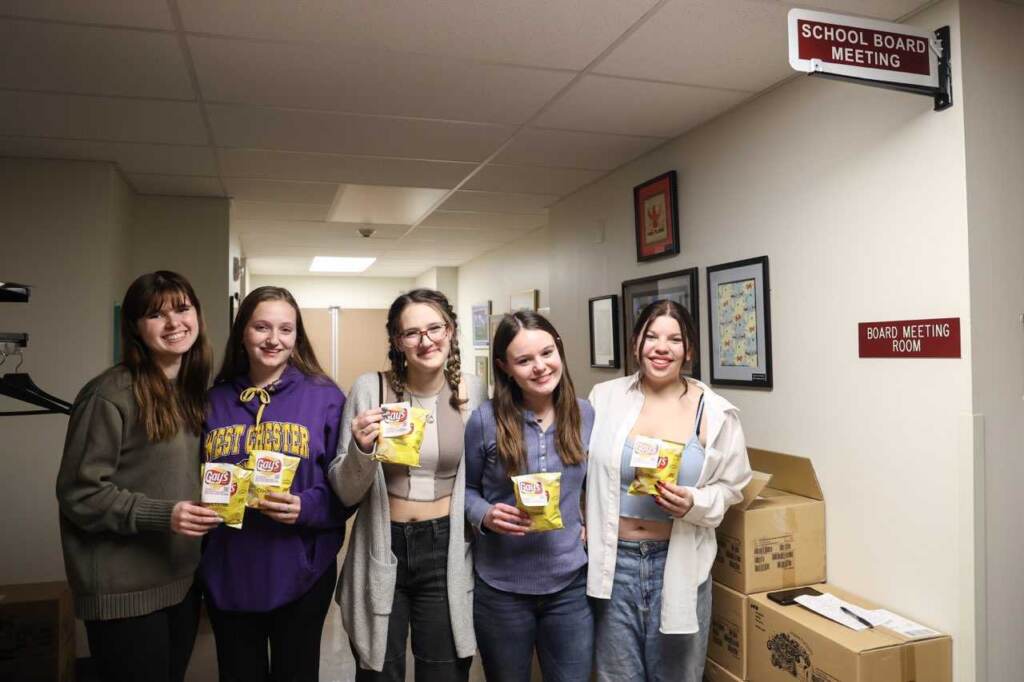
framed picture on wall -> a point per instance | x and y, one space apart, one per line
483 364
656 216
492 325
739 322
481 313
528 300
604 331
679 286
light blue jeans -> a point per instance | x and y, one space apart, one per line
627 644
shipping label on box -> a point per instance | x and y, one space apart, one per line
787 642
775 537
727 639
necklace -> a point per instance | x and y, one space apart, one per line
417 403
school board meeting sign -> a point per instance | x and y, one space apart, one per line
861 48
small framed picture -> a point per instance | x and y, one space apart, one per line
679 286
656 216
604 332
483 363
481 313
739 321
524 300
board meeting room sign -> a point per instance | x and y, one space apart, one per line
933 338
861 48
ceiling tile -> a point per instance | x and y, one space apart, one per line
246 189
618 105
570 149
348 169
175 185
131 158
254 210
423 235
533 32
889 10
140 13
100 118
531 179
316 232
482 221
343 78
468 200
749 50
314 131
92 60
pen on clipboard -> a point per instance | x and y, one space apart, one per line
863 621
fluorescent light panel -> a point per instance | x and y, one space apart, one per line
340 264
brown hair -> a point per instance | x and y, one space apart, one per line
236 360
164 407
398 375
662 308
508 397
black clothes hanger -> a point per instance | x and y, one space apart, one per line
20 386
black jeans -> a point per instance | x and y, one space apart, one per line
151 648
293 630
421 601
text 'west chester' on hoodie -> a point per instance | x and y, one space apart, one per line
268 564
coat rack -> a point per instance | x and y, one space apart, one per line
19 385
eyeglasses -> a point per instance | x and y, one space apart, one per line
413 337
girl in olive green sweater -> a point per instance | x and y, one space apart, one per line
127 484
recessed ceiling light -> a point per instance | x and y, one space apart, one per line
335 264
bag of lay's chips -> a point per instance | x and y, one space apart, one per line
225 490
654 460
538 496
272 472
401 433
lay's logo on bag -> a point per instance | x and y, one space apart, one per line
268 465
531 487
214 477
396 416
662 462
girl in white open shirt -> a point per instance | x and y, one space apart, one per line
650 556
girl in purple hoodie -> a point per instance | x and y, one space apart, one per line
273 579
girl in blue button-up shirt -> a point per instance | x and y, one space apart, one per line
530 586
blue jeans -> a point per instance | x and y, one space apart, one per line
560 625
628 646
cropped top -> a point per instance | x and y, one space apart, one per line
440 451
644 506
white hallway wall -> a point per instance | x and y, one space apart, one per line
857 196
993 64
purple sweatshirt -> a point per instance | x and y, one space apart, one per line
268 564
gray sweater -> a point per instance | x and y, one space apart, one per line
367 586
116 491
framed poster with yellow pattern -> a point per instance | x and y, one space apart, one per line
739 323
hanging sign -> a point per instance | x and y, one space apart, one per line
872 52
935 338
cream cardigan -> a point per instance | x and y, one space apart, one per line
692 546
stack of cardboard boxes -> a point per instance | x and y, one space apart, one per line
774 539
37 633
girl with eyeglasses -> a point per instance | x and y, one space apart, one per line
408 565
530 586
650 555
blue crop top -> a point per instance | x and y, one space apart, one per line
644 506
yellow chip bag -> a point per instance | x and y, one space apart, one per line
225 489
654 460
401 434
538 495
272 472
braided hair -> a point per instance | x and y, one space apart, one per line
398 374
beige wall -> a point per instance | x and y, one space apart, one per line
345 292
65 231
445 280
993 95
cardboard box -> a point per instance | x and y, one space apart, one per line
716 673
787 642
727 641
774 537
37 633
